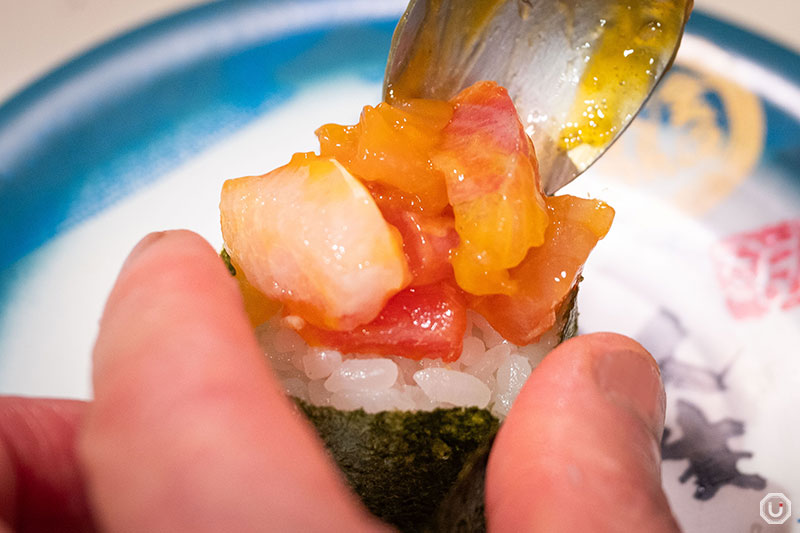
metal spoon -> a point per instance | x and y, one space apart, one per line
578 70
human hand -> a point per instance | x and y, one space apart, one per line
189 430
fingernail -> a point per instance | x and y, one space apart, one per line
143 245
631 379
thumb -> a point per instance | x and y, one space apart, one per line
579 450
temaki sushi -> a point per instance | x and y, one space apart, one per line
404 282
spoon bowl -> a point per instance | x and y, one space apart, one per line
578 70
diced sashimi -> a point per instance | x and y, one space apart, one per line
549 272
493 185
420 322
429 243
391 145
310 236
428 240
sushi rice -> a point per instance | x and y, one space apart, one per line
488 374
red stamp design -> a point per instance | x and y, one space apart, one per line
760 270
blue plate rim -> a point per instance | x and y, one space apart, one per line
160 27
768 52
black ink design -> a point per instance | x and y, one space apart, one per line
705 445
687 376
661 336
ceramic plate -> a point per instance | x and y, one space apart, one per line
702 265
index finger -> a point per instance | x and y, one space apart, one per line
189 430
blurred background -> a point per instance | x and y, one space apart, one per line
39 35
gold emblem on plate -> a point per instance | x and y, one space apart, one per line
699 137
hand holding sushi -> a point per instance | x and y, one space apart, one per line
190 430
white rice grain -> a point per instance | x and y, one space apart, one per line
296 387
372 401
318 394
457 388
363 375
287 340
512 374
485 367
472 352
488 374
319 363
490 336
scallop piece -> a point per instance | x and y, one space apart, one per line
310 235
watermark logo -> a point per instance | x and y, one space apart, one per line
775 508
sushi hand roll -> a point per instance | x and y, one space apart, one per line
403 283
